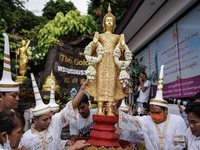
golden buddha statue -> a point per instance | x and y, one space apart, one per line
22 52
103 72
47 84
23 56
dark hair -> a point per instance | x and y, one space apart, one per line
194 108
146 105
3 93
144 73
84 99
37 117
9 121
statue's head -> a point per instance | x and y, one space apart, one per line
23 42
109 21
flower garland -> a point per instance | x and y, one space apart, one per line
91 72
122 64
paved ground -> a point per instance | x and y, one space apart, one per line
173 109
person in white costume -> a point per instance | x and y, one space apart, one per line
9 90
84 125
45 133
162 131
11 129
193 132
55 109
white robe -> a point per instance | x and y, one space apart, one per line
2 148
128 135
53 141
174 132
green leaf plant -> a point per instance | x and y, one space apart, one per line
65 28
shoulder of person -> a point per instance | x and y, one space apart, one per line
144 118
145 121
28 134
149 82
55 119
176 118
58 115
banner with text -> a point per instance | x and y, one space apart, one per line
178 49
189 51
166 53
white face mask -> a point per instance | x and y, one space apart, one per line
139 110
6 144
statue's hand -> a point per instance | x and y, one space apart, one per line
94 45
115 110
95 40
96 37
122 42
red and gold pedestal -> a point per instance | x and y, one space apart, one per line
103 133
103 136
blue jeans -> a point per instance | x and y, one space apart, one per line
139 104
